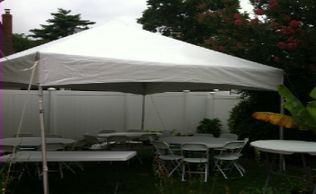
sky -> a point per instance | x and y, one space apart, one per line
29 14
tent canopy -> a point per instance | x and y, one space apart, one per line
119 57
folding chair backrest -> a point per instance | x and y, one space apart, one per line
236 146
162 148
194 147
195 151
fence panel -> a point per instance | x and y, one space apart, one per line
74 113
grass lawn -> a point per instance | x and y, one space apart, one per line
135 178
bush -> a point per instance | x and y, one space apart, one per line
244 125
212 126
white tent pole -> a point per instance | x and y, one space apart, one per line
281 135
281 130
143 112
43 146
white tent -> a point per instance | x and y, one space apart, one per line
117 57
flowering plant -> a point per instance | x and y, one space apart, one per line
303 117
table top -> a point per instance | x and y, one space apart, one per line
285 146
32 141
69 156
210 142
128 134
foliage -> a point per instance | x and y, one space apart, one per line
179 19
305 117
21 42
280 34
62 24
241 122
212 126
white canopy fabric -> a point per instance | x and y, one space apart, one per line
119 57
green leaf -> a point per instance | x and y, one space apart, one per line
305 117
313 93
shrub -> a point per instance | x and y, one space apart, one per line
212 126
244 125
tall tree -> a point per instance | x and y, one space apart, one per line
179 18
62 24
281 34
22 42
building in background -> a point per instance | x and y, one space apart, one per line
6 34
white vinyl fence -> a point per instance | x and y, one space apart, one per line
74 113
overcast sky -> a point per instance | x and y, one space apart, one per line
29 14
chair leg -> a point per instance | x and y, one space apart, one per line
220 169
174 168
239 170
206 172
61 170
183 172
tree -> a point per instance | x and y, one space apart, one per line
293 24
281 34
62 24
21 42
179 19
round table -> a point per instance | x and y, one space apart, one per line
285 146
210 142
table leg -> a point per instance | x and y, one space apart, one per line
269 164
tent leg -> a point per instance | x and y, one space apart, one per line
43 145
281 130
281 136
143 112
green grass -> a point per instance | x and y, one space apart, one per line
136 178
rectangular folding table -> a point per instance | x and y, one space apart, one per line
69 156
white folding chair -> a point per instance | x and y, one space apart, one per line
170 160
231 136
197 155
229 154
